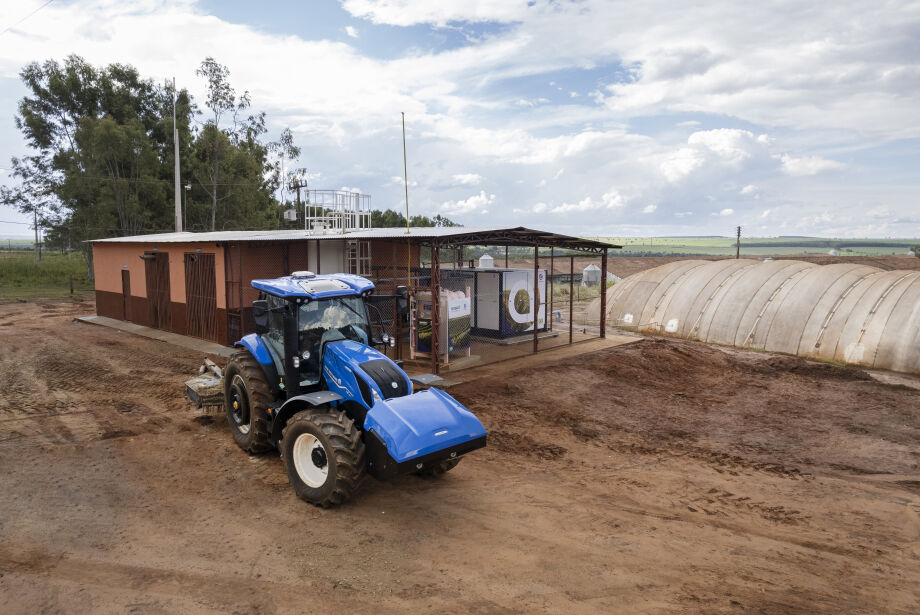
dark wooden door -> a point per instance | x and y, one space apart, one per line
125 294
156 268
201 295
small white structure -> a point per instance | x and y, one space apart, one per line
591 275
486 262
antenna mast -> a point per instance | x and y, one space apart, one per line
176 170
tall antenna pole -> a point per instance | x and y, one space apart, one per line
738 245
405 171
176 171
406 180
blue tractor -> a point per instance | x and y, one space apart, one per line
311 383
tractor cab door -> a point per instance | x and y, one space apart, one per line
274 336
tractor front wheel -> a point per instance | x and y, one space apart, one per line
246 398
323 455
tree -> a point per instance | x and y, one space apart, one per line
221 100
393 219
103 155
33 195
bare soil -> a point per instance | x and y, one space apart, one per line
660 477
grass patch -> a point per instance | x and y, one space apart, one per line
21 278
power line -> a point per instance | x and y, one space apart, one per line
8 28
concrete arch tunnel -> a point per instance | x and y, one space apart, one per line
851 313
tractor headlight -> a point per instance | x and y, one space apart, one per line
305 355
392 342
386 338
296 361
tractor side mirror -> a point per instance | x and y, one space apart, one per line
260 316
402 299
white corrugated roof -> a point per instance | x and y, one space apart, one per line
376 233
502 235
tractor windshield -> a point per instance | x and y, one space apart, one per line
345 315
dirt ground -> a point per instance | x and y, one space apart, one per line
658 477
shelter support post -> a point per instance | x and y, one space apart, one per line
603 314
506 257
571 293
551 285
536 297
435 307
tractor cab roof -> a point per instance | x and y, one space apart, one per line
313 286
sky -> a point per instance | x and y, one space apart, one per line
586 117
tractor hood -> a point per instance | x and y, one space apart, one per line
372 367
422 423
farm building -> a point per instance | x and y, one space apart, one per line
851 313
198 284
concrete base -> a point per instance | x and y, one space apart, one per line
185 341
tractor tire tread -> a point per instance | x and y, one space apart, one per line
260 399
348 450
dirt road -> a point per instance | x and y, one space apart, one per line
658 477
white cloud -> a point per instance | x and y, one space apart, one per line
413 12
808 165
689 123
468 179
728 211
765 214
610 200
350 31
649 209
748 190
477 201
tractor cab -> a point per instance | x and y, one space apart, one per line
296 317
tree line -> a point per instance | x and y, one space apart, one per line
102 159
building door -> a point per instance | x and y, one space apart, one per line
201 296
156 269
125 294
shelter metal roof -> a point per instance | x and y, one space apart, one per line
450 235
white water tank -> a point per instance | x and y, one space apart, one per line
591 275
486 262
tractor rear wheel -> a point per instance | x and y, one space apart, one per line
246 399
323 455
437 469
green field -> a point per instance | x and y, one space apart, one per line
21 278
724 246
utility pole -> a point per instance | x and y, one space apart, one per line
405 171
176 170
738 245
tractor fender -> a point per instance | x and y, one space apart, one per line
298 403
256 347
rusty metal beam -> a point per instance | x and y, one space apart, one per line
536 297
603 314
435 307
571 294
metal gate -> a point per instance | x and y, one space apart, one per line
156 270
201 296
